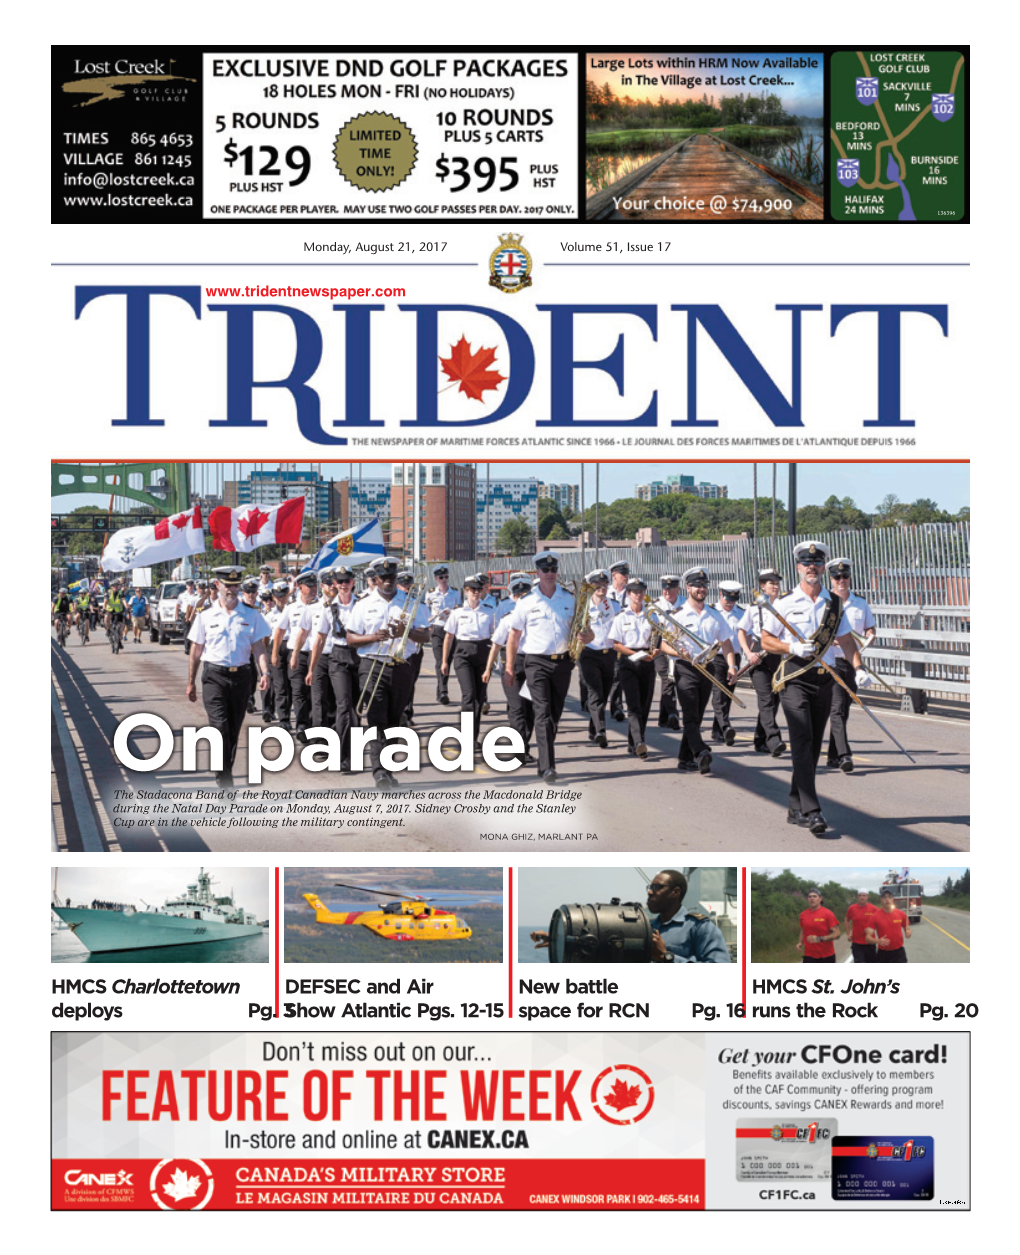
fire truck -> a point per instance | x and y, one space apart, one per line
906 893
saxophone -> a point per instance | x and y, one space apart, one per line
580 620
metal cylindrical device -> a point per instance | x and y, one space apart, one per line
614 932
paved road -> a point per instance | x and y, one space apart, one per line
608 801
941 936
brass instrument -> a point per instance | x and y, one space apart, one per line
824 666
672 631
580 620
395 650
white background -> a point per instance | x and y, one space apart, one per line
980 427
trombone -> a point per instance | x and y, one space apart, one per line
659 619
394 653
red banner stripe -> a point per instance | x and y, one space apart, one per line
366 1185
290 518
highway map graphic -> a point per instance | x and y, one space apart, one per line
898 137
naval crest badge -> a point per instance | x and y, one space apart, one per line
510 265
346 545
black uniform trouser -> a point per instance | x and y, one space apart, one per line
414 662
766 731
469 659
806 703
891 956
720 702
839 744
301 693
637 679
598 670
616 692
442 681
343 675
548 681
225 697
692 693
386 708
323 701
667 690
281 685
829 958
863 952
520 711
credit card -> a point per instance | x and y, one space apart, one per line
875 1168
784 1150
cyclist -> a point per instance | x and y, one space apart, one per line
82 613
59 611
114 609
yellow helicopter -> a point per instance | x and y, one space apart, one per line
406 919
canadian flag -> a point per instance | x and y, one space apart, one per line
173 537
250 526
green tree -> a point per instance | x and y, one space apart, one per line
515 537
888 510
550 516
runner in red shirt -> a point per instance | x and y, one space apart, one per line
819 928
858 917
888 928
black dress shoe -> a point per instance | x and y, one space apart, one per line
674 722
485 708
602 741
619 716
846 764
814 821
761 749
550 777
796 818
718 740
832 762
684 766
224 780
631 750
443 701
642 750
385 782
730 735
777 751
267 717
528 760
705 762
663 723
345 767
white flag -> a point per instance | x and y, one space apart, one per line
173 537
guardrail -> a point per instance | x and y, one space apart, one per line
923 650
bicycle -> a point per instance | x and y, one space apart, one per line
83 628
114 633
62 630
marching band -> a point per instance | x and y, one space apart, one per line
338 659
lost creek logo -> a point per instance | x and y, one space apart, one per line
146 81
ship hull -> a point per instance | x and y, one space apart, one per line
105 932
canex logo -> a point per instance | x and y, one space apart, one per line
75 1176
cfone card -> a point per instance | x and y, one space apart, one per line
784 1150
876 1168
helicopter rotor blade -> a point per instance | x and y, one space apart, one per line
375 889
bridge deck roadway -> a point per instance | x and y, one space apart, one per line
619 802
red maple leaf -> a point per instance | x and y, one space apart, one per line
471 370
253 522
622 1095
182 520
